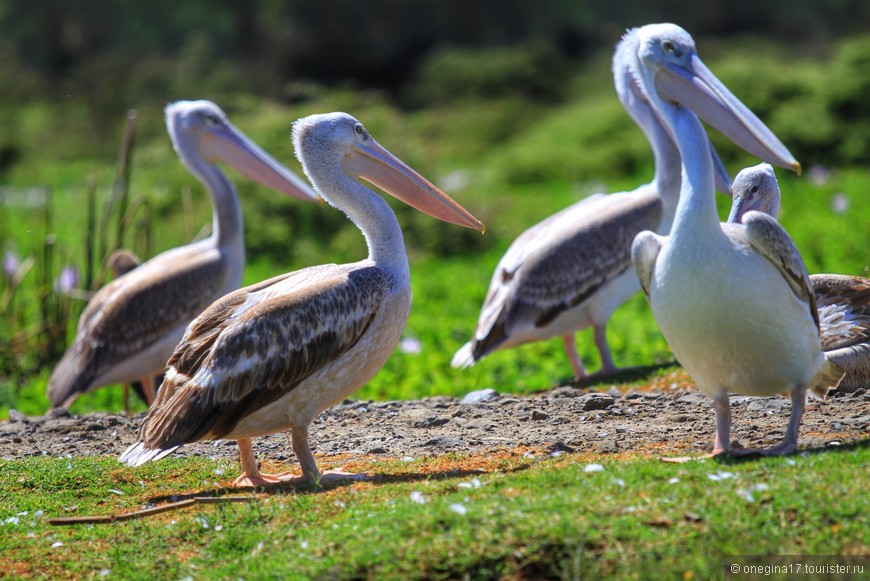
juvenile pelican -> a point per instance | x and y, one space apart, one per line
843 301
272 356
733 301
121 262
131 325
573 270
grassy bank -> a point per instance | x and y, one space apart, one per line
504 515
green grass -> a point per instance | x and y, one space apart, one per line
539 517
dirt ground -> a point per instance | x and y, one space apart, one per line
669 417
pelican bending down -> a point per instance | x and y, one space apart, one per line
733 301
573 270
274 355
843 301
132 324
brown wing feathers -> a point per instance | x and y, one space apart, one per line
233 365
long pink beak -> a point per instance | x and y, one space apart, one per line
695 87
228 144
371 162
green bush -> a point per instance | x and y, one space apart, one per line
534 70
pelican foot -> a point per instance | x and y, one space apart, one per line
324 477
255 480
780 450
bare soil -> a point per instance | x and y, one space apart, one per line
669 417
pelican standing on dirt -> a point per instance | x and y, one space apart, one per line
273 355
573 270
733 301
843 301
131 326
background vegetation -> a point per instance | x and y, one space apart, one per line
507 105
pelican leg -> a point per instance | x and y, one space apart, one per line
607 365
789 442
310 473
251 475
148 389
570 342
126 388
722 441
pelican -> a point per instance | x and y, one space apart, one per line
573 270
733 301
273 355
121 262
843 301
132 324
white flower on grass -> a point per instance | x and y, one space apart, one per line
746 493
673 480
458 508
303 544
410 345
720 475
619 482
473 483
418 498
593 468
13 520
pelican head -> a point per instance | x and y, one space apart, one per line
338 142
668 60
754 189
201 133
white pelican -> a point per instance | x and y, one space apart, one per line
273 355
132 324
843 301
573 270
733 301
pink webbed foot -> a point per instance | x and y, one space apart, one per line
255 480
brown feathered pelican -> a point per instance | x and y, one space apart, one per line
573 270
734 301
121 262
274 355
843 301
131 326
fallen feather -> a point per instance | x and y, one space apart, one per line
719 475
593 468
458 508
417 497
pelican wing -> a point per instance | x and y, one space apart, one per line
644 254
561 262
770 239
134 312
844 309
255 345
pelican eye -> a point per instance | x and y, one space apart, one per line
212 119
670 48
753 190
360 130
